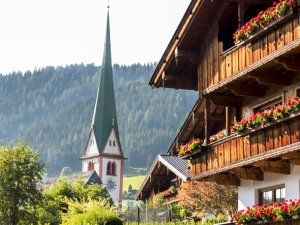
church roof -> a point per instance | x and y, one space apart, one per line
93 179
105 115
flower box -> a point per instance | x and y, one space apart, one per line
284 212
266 29
265 19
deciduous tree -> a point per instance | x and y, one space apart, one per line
209 197
20 172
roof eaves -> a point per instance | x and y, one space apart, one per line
176 39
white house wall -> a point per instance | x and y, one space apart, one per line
248 191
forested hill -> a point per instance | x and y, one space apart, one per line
51 109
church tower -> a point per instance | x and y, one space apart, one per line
103 152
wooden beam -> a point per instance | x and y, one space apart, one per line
282 167
289 63
269 78
228 119
206 121
241 12
295 161
217 118
292 155
225 179
222 100
193 56
245 91
249 173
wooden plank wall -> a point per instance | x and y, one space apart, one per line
240 148
213 68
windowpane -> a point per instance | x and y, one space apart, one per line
267 197
280 195
273 194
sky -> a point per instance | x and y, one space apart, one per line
39 33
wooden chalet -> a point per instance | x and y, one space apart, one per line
166 179
236 80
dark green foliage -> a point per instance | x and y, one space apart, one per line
20 172
52 110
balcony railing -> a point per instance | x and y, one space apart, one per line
274 41
272 140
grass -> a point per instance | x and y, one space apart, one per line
135 181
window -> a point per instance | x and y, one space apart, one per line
109 168
114 169
268 105
114 143
91 166
272 194
110 143
298 92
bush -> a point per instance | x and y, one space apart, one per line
90 213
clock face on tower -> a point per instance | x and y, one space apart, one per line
111 184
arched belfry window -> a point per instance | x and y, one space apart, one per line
114 169
91 166
111 168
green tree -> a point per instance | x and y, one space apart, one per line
129 188
20 171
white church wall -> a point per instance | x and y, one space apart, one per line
112 145
114 194
85 165
92 146
248 191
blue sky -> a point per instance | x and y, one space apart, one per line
37 33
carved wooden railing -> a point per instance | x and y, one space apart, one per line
249 53
256 145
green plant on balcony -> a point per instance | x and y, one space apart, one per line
172 190
267 213
265 18
190 147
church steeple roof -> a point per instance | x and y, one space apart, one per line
105 115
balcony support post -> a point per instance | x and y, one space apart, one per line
206 120
228 119
241 12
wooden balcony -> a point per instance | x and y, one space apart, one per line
275 48
269 149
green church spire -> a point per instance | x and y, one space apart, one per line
105 115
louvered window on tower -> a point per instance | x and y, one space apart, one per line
91 166
111 169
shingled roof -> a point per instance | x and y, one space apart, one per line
175 164
105 114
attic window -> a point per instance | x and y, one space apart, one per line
114 143
109 142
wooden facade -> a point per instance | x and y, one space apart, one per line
217 65
273 141
234 81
